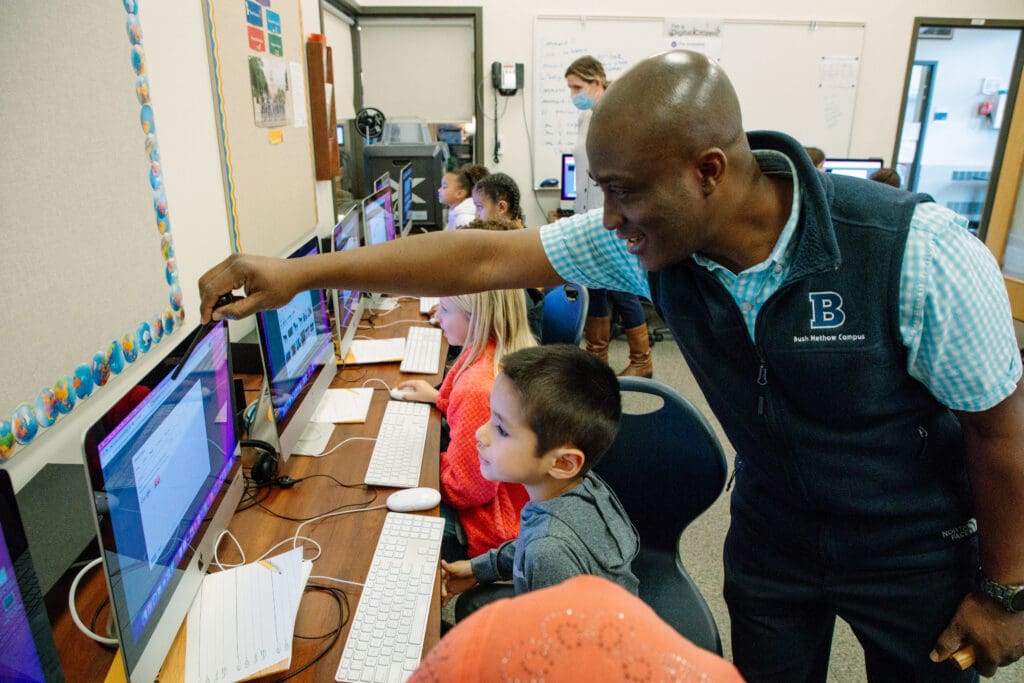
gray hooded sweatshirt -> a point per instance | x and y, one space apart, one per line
583 531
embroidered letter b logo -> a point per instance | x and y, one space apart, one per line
826 310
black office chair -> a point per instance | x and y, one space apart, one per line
667 467
565 312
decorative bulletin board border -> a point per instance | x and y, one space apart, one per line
30 418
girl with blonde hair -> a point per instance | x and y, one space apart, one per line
480 514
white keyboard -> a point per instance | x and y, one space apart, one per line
422 350
428 302
386 639
398 452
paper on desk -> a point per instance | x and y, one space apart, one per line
314 439
387 303
364 351
344 406
243 619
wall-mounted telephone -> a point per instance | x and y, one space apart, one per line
507 79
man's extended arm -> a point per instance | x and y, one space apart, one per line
436 264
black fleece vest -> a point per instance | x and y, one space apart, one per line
839 450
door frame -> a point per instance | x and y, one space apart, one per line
1011 97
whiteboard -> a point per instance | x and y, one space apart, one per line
784 72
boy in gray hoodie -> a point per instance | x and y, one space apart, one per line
554 412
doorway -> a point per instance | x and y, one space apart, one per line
962 79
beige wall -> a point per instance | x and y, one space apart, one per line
508 37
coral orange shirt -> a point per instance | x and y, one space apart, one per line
488 510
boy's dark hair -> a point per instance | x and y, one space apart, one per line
469 175
889 176
569 398
816 155
498 186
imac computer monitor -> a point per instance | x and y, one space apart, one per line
348 307
379 217
298 357
382 181
568 177
28 653
164 470
405 188
858 168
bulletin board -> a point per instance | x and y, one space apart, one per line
81 198
795 76
258 60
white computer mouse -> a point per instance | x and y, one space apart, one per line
414 500
400 394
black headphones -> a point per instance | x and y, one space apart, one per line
264 470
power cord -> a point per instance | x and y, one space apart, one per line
74 610
529 152
344 613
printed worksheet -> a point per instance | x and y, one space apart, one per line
243 619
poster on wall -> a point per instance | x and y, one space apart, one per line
268 80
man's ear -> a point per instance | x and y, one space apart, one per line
567 463
711 164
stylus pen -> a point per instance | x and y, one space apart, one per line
222 300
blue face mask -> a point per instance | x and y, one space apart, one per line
583 101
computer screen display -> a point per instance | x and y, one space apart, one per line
28 653
378 217
382 181
405 186
298 356
568 176
341 135
858 168
348 304
164 472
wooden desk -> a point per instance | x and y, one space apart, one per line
347 541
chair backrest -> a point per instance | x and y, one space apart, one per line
565 312
667 466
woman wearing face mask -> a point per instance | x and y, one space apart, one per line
587 82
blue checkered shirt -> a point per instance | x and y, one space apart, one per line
954 313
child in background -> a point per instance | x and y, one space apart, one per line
817 157
886 175
554 412
497 208
487 325
497 196
456 190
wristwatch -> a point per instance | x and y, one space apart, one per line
1010 597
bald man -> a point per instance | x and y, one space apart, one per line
854 340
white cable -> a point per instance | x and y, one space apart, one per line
331 514
395 322
319 549
381 312
379 381
216 546
74 611
345 581
339 445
